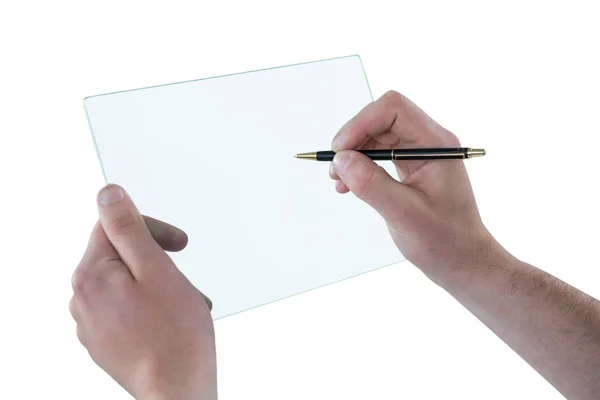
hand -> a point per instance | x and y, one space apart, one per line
140 319
432 215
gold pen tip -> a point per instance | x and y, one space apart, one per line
307 156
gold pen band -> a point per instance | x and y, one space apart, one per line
454 154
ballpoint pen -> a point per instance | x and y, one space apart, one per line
403 154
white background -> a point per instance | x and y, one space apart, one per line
519 79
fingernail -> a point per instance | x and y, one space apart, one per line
331 170
110 194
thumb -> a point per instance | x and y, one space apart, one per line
126 230
371 183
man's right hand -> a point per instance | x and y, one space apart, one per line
434 221
432 215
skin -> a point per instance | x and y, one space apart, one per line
139 318
126 283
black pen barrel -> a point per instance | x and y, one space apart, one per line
404 154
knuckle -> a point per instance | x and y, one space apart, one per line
392 97
449 139
81 335
73 308
453 140
80 280
125 224
89 280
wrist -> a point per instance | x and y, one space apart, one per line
470 259
180 394
190 384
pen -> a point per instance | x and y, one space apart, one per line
403 154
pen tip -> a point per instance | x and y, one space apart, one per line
295 155
306 156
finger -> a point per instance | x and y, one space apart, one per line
390 119
100 249
167 236
208 301
127 232
73 309
341 187
332 173
372 184
99 261
81 335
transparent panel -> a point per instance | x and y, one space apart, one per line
215 158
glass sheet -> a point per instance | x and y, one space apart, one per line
215 158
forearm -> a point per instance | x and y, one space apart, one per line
192 382
183 394
553 326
